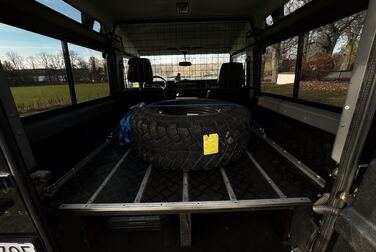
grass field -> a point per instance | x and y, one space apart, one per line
325 92
33 99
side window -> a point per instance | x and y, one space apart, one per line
128 84
63 8
241 58
35 69
97 26
89 73
328 57
290 7
278 67
293 5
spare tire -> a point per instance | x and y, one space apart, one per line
175 134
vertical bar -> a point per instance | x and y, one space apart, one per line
109 176
185 187
229 189
185 219
19 160
247 69
143 185
68 67
298 66
266 176
256 71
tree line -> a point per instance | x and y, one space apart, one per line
47 68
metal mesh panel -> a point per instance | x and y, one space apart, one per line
207 45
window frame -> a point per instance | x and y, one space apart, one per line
73 84
246 65
68 70
299 61
297 68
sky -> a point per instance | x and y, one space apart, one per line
27 43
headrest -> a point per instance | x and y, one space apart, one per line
139 70
231 75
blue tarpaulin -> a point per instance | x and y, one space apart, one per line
125 124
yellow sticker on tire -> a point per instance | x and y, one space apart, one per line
211 143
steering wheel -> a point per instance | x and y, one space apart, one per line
161 78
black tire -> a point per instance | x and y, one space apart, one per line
165 136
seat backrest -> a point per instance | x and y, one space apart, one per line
139 70
231 75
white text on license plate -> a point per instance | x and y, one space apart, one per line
16 247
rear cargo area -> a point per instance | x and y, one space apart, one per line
242 205
117 181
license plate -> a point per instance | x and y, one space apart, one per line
16 247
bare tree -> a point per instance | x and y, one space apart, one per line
74 58
275 58
352 34
82 64
43 59
7 66
293 5
56 61
15 59
326 37
32 62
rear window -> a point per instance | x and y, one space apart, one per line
204 66
206 45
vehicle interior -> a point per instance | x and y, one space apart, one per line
296 65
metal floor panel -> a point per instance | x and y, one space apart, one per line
84 183
119 182
247 182
124 184
288 178
164 186
207 186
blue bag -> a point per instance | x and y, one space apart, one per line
125 126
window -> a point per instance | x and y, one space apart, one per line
328 57
241 58
278 67
128 84
288 8
293 5
269 20
97 26
35 70
89 73
63 8
204 66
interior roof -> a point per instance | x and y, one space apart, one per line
110 12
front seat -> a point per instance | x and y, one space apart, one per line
231 75
231 84
139 70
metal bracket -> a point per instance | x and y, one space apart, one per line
185 218
346 197
185 230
